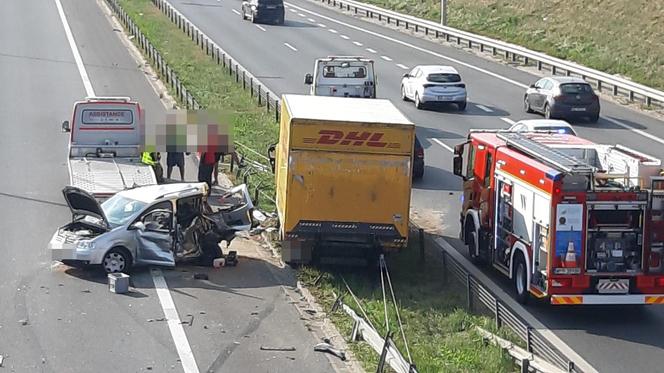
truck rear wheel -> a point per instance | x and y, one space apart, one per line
520 279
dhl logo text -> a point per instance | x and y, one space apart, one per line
354 138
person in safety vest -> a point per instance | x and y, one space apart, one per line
153 159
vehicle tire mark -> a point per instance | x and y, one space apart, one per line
251 328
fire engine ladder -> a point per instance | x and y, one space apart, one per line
546 154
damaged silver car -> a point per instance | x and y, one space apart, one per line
152 225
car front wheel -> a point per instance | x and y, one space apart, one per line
116 260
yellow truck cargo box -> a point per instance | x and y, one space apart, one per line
343 171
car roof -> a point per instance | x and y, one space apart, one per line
441 69
152 193
543 122
567 79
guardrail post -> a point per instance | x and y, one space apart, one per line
529 347
599 85
251 84
444 267
259 95
631 95
648 101
553 70
497 307
525 365
383 355
470 293
615 90
570 366
421 243
276 111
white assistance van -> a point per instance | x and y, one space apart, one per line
343 76
104 153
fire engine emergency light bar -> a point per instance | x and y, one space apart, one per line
119 99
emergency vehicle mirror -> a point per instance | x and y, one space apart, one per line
308 79
458 163
65 126
458 149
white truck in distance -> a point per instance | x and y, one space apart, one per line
104 155
343 76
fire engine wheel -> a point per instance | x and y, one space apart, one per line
472 245
520 279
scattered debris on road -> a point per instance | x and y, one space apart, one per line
200 276
326 347
159 319
277 348
23 322
2 359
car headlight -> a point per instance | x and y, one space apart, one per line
85 245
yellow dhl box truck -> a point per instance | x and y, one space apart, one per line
343 171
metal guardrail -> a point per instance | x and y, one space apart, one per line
258 90
184 95
477 294
603 81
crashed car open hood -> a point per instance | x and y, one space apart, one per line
82 203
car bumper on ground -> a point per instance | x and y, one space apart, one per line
607 299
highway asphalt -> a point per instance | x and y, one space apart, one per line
612 339
61 319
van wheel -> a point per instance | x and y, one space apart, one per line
116 260
520 279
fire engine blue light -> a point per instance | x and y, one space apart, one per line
554 175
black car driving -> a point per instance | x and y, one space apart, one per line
562 97
268 11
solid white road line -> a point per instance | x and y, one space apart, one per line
344 37
508 120
74 50
171 314
470 66
403 66
482 107
357 43
235 11
397 41
640 132
260 27
443 145
290 46
386 58
371 50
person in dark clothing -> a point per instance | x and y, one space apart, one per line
175 159
206 168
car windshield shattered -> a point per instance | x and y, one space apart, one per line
444 78
119 210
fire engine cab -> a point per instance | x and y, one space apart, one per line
566 219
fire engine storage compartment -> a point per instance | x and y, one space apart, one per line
615 237
615 229
343 173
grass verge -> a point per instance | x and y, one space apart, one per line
210 84
615 36
438 329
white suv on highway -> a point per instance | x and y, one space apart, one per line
434 84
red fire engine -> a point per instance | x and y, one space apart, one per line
566 219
